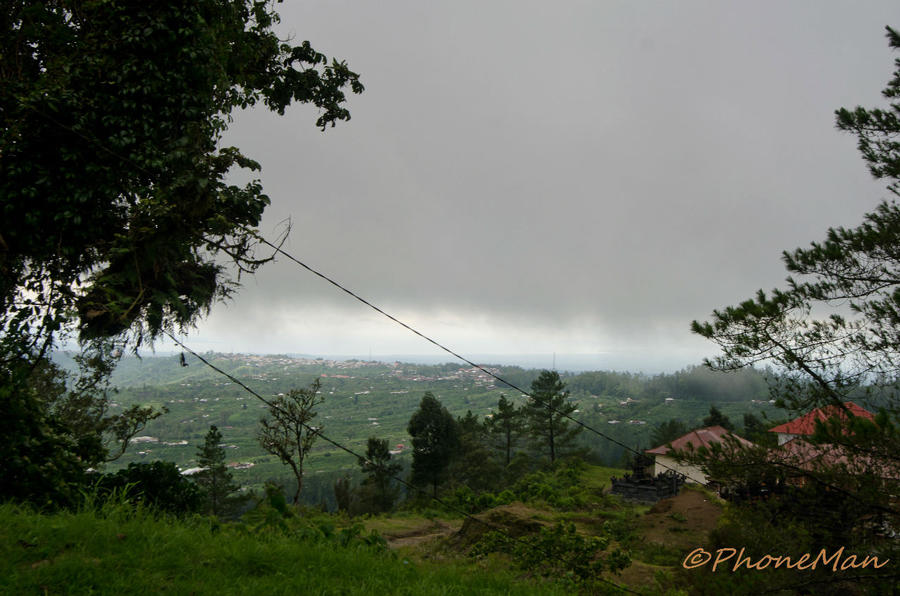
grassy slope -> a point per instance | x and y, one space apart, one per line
658 537
374 400
114 553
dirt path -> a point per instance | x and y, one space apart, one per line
417 536
681 521
679 524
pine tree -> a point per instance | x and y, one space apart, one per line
667 431
717 418
546 413
506 424
435 439
378 491
473 465
215 480
834 335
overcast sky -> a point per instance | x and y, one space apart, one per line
569 177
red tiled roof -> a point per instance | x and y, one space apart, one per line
806 425
806 456
701 437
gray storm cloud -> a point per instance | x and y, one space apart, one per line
626 166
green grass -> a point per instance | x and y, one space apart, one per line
115 551
598 477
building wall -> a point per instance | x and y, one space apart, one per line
785 437
693 473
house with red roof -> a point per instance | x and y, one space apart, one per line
805 425
701 437
803 456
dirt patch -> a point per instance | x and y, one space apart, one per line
417 536
638 575
668 532
681 522
421 534
663 506
515 519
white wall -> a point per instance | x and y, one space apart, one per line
693 473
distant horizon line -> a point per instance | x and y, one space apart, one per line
564 362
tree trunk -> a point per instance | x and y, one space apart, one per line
552 444
298 474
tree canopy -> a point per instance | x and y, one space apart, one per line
112 174
378 492
435 439
120 222
215 479
834 334
507 423
287 432
546 412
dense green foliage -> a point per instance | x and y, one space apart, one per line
435 440
111 170
717 418
546 414
215 480
506 425
667 431
559 487
158 485
119 221
834 333
116 550
379 490
40 464
56 427
558 551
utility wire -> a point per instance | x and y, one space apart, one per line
317 432
129 161
279 249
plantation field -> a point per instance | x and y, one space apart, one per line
365 399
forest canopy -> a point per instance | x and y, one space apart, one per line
119 220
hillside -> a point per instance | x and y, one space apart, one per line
114 549
115 552
364 399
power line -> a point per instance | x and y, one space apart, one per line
318 433
279 249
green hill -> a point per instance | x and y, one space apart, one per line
364 399
114 551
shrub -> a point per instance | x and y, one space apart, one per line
158 485
557 551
